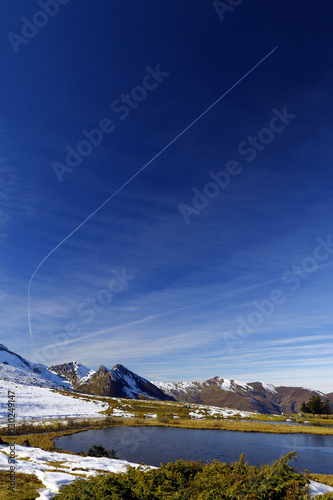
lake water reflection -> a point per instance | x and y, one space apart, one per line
153 445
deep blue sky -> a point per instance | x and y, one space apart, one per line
192 284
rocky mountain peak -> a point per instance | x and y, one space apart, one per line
120 367
102 370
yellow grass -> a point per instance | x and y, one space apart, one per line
25 488
323 478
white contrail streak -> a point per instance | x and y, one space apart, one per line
135 175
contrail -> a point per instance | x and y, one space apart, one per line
136 174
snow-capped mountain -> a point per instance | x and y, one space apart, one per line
14 368
120 382
73 371
117 382
265 398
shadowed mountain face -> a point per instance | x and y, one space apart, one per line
330 397
256 396
118 382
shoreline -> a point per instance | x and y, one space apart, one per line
44 437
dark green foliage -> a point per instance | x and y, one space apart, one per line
98 450
304 408
185 480
316 406
326 407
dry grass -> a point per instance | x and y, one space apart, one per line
323 478
245 426
25 488
224 424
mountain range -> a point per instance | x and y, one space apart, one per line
122 383
119 382
254 396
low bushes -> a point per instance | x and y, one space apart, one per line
98 450
185 480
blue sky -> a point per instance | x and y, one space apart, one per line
177 277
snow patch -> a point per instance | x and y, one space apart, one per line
319 489
169 387
244 385
226 385
116 412
269 387
196 414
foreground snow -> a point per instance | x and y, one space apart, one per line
35 461
319 489
41 402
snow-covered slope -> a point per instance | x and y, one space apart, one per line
42 403
10 358
16 369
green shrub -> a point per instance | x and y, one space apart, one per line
185 480
98 450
